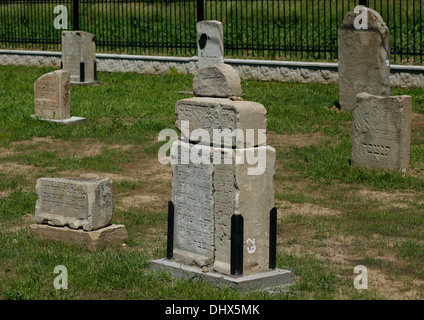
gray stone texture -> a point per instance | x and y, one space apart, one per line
270 280
381 133
85 203
207 194
219 113
217 80
210 43
77 47
52 97
363 57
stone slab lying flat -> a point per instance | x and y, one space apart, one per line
92 240
272 279
68 121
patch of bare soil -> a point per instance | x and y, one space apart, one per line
304 209
151 202
396 199
16 168
83 148
417 121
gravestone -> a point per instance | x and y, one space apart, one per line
221 217
217 80
52 98
79 56
210 43
363 58
221 114
381 132
76 210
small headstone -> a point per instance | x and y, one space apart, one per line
217 80
363 58
210 43
381 133
75 202
76 211
52 96
79 56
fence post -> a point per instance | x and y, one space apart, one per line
363 3
200 10
75 14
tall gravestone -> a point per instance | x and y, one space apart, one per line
79 56
221 220
210 43
363 57
381 133
76 211
52 98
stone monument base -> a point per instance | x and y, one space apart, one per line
70 120
269 280
92 240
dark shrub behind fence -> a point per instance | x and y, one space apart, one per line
262 29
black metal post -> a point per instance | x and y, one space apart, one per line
236 263
82 71
75 14
363 3
170 239
273 238
200 10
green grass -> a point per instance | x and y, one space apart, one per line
341 227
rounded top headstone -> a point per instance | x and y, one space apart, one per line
217 80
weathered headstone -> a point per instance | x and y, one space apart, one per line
381 132
217 80
210 43
207 195
52 98
222 219
79 56
221 114
76 210
75 202
363 58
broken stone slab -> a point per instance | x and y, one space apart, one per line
217 80
363 58
79 56
206 195
242 122
210 43
381 133
92 240
52 97
85 203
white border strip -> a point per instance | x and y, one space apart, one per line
319 65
